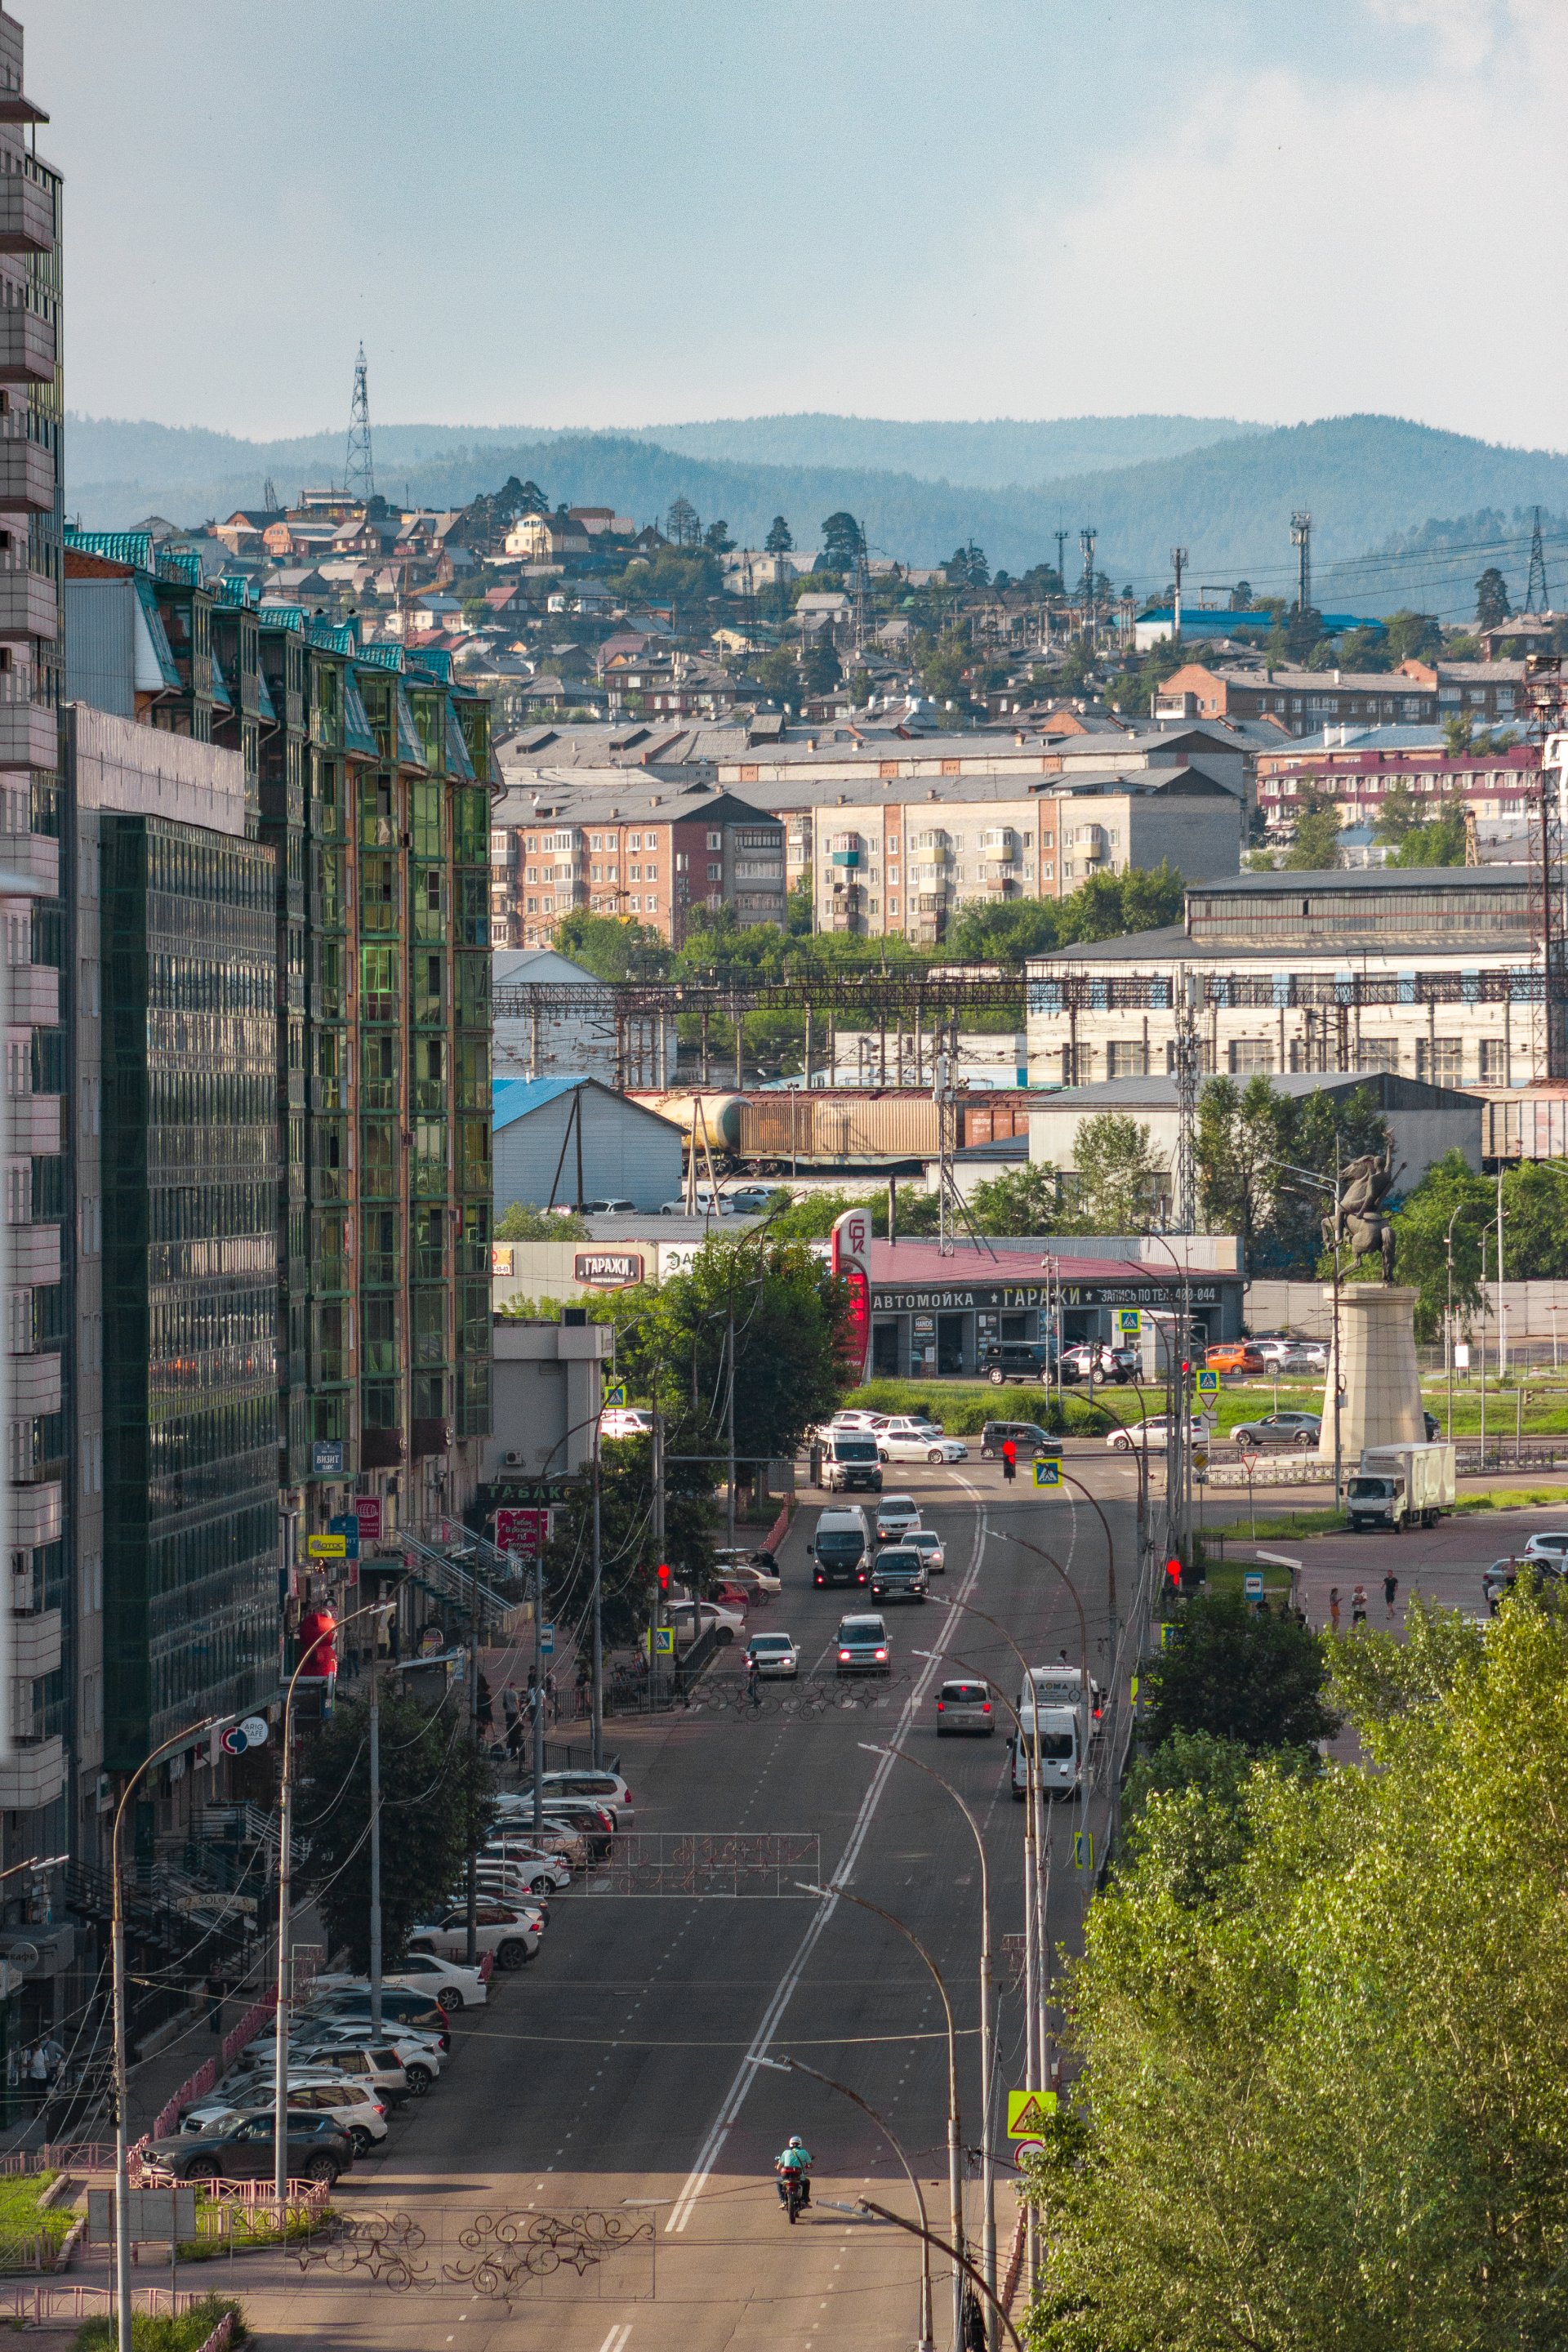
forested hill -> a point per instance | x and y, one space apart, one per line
1368 481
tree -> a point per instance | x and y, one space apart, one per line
820 668
1443 840
1492 605
682 526
1535 1221
1303 631
629 1554
1459 733
1026 1200
716 539
1241 597
798 911
777 675
521 1222
436 1803
612 947
1116 1177
1316 846
1249 1144
1413 636
843 542
1109 906
967 567
1440 1221
1320 2106
779 540
1005 932
1256 1678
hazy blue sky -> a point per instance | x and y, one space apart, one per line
625 211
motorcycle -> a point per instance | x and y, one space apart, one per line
797 2193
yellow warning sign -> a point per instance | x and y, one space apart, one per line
1028 2112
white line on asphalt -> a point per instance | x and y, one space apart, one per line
616 2341
772 2017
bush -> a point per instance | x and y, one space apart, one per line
188 2333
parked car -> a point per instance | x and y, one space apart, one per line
593 1822
353 2107
1001 1360
1097 1362
910 1445
862 1646
1539 1570
1027 1436
380 2070
1234 1356
1547 1543
513 1936
854 1418
558 1843
757 1568
910 1424
758 1584
964 1706
400 2007
609 1207
930 1545
448 1984
751 1200
726 1620
773 1654
896 1514
1310 1357
607 1789
1299 1429
398 2070
316 2150
1274 1346
626 1421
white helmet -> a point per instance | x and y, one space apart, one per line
795 2140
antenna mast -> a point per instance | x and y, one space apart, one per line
1185 1073
1178 565
1301 539
1536 599
359 472
1544 694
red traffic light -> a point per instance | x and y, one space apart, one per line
662 1572
1173 1571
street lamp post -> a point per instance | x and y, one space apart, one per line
798 2066
988 2015
117 1965
285 1875
954 2177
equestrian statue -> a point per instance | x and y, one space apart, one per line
1359 1215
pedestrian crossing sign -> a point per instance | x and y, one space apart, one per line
1082 1849
1209 1384
664 1641
1048 1473
1028 2112
1129 1322
615 1394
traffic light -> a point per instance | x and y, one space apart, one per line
1173 1571
662 1572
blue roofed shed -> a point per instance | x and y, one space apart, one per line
559 1140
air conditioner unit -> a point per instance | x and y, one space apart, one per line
513 1459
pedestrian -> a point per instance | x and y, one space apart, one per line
1390 1593
552 1703
754 1682
508 1709
485 1710
1333 1608
1358 1606
54 2057
218 1987
1009 1460
38 2075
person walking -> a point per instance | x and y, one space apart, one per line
1009 1460
754 1682
485 1709
217 1989
1358 1606
508 1709
1390 1593
1333 1608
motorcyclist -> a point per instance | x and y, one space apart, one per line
796 2159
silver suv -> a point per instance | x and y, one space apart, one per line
862 1646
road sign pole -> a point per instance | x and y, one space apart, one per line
374 1842
539 1692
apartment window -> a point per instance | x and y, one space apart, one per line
651 874
1494 1062
716 874
1127 1060
1251 1055
1439 1060
715 841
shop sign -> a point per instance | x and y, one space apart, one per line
607 1269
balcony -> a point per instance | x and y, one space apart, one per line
34 1256
33 1776
27 215
38 1515
36 1645
29 737
35 995
26 347
35 854
35 1383
34 1125
27 479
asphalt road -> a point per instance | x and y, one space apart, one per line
612 2078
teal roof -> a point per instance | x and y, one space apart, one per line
513 1099
459 764
234 588
384 652
181 563
283 616
334 637
266 707
434 664
410 749
359 735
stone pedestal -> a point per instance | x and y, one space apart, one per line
1382 1401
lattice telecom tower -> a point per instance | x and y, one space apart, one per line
1544 695
1535 596
1302 540
359 470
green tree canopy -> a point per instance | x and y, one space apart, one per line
1258 1153
843 542
521 1221
1117 1177
1492 604
1316 846
1318 2097
612 947
436 1803
1257 1679
1413 636
779 540
1025 1200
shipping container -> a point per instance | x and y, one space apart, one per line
991 1118
1529 1125
835 1126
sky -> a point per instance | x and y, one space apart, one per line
618 214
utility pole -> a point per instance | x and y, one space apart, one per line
539 1689
598 1610
471 1924
1061 540
1188 1054
1178 565
374 1840
1302 540
655 1621
730 1415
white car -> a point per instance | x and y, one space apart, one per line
539 1873
855 1418
1153 1431
318 2042
606 1788
919 1446
896 1514
773 1654
511 1935
741 1568
354 2106
626 1421
557 1843
929 1544
448 1984
722 1615
910 1424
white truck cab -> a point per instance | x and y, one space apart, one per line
1061 1751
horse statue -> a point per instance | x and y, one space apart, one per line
1359 1216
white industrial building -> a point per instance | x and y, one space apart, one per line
575 1031
1425 972
559 1141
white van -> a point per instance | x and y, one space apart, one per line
1062 1685
1061 1752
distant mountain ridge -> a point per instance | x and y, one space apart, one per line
1370 482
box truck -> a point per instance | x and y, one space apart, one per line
1401 1486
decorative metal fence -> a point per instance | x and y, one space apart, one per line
708 1864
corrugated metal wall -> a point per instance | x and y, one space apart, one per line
626 1154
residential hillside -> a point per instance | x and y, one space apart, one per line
1370 482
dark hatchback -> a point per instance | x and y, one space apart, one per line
316 2150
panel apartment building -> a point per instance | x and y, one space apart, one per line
622 845
1424 973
